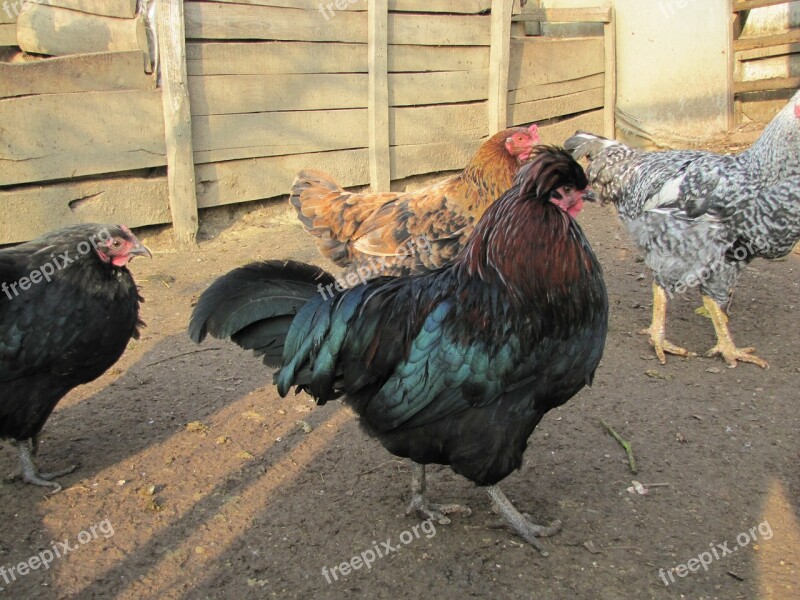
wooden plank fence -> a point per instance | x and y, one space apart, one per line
250 91
757 48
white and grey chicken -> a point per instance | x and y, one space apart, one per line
700 217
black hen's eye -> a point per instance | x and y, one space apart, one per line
116 243
568 189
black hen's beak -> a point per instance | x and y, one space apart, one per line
139 249
589 195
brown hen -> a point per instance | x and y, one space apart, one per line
398 233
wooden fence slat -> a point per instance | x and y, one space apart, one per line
546 60
764 41
8 34
229 137
768 52
554 90
104 71
763 85
110 8
215 20
266 58
499 59
600 14
432 124
177 120
56 136
134 201
43 29
380 176
9 11
751 4
548 108
230 94
434 6
610 72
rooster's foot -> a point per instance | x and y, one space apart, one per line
522 526
30 472
425 510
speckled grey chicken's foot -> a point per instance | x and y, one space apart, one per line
522 526
657 330
426 510
27 450
725 346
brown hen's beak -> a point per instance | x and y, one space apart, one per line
140 250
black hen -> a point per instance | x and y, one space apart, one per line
456 366
68 308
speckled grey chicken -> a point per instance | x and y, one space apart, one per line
700 217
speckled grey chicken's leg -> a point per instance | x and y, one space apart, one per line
27 450
522 527
658 326
420 505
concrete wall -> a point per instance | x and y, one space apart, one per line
672 67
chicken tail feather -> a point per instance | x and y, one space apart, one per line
255 305
584 144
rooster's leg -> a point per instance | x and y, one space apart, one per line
725 345
421 506
27 450
658 327
522 527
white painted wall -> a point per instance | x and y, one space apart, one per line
672 66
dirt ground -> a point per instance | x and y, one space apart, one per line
197 481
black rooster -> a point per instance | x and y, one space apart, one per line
68 307
456 366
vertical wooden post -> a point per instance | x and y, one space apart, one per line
177 120
499 58
736 25
380 175
610 96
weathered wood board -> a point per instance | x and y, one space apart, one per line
231 94
215 20
267 58
104 71
540 110
125 9
228 137
8 34
434 6
536 61
55 136
134 201
43 29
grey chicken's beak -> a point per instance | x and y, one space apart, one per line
589 195
140 250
